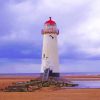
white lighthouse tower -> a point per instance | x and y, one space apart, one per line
50 59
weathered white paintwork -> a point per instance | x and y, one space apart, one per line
50 53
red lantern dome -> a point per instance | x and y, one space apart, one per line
50 22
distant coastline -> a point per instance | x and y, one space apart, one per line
62 74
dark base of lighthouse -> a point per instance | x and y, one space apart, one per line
50 73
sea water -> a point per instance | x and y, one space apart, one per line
87 84
81 84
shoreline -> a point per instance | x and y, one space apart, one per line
69 77
50 93
5 81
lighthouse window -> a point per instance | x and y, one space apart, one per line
49 26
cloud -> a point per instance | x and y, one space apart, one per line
78 21
13 51
91 31
84 36
33 66
79 66
20 22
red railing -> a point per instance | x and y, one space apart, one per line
46 31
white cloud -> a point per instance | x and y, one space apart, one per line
86 35
19 66
78 20
21 36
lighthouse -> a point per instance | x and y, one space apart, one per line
50 58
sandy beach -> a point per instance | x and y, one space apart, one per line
50 93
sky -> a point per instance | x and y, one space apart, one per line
21 22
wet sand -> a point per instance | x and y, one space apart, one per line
50 93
